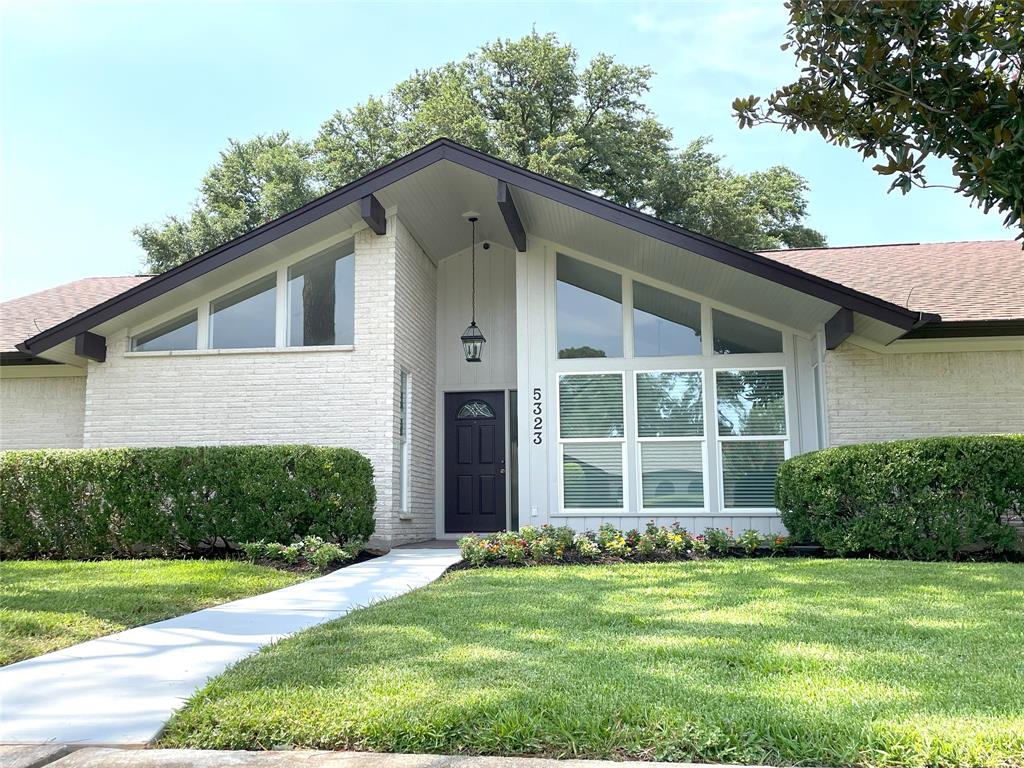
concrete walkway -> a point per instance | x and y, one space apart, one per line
188 758
122 688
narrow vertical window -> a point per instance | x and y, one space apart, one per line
403 442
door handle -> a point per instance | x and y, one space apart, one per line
501 471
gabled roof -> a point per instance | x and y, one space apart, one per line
518 178
962 281
29 315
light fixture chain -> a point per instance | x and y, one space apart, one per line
473 260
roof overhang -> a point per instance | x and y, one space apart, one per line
434 185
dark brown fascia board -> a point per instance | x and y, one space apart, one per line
507 206
839 328
445 149
373 214
954 329
23 358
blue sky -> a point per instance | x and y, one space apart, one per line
110 113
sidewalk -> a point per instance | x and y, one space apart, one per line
122 688
188 758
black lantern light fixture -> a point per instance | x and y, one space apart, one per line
472 338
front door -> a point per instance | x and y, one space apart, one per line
474 462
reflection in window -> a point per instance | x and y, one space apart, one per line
321 299
672 475
748 473
663 323
589 310
475 409
590 405
244 319
670 404
179 333
592 476
751 403
736 336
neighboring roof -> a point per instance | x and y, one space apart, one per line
971 281
29 315
445 149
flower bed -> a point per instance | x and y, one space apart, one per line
311 553
549 544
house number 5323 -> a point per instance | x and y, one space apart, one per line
538 417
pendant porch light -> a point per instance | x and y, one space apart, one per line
473 338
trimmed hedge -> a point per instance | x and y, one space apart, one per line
170 501
930 499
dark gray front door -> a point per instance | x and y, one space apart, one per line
474 462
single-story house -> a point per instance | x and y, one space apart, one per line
629 370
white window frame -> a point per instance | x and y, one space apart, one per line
639 442
404 444
563 441
720 439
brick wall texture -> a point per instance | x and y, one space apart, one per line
874 396
42 412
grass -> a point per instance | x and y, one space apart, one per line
46 605
824 662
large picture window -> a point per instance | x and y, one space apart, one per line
588 303
592 440
670 439
245 319
753 435
321 299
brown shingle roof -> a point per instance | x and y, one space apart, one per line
26 316
971 280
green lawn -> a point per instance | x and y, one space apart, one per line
827 662
46 605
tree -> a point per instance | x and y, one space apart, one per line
908 81
254 182
527 101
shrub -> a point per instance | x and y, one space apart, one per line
310 552
927 499
121 502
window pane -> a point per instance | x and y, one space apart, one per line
589 307
669 404
321 299
734 335
663 323
590 405
180 333
245 318
475 409
748 472
592 475
751 403
673 474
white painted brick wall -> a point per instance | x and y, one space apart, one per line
338 398
415 352
42 412
874 396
